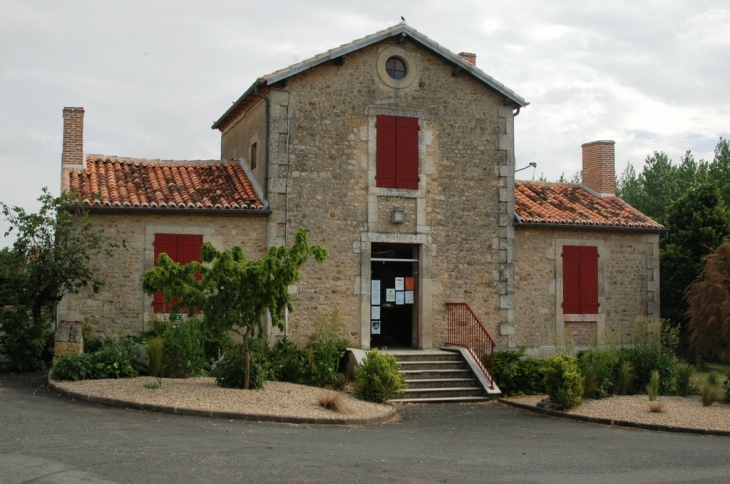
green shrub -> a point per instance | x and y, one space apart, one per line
230 370
598 368
183 354
28 346
653 352
110 362
136 351
563 381
317 363
726 387
288 362
516 374
323 358
652 388
377 378
683 378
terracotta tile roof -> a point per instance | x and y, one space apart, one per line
570 204
138 183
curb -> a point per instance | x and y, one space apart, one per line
615 423
251 417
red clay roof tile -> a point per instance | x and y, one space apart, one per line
139 183
570 204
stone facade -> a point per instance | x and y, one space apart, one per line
322 147
120 307
628 287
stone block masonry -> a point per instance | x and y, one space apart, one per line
322 177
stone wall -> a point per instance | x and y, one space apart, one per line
245 131
322 177
628 284
120 307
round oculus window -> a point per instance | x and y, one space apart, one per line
396 68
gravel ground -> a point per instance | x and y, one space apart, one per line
275 398
678 411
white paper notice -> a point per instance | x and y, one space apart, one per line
399 298
375 290
374 312
399 283
374 327
409 297
390 295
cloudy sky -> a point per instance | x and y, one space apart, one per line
154 75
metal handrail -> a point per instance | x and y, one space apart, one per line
467 331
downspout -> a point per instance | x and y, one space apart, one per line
665 237
266 141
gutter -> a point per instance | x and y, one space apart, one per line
597 228
234 106
188 211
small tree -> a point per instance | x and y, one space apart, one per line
232 291
709 305
50 258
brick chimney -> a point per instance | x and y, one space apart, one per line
73 138
469 57
599 173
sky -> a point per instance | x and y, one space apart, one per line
153 75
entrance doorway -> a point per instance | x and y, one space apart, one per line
394 302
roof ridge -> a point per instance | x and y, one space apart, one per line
157 161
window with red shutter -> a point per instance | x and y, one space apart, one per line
580 280
180 248
397 152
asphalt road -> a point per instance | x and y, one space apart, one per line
48 438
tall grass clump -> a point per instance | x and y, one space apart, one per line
154 352
710 393
652 388
624 378
683 378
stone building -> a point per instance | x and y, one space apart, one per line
398 156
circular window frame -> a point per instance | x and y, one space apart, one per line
409 61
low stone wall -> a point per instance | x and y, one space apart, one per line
68 339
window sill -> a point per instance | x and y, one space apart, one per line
394 192
572 318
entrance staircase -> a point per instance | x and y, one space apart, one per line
440 376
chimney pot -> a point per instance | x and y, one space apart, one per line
599 173
469 57
73 137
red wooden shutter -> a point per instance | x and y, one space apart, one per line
164 243
407 136
571 280
386 152
188 248
589 280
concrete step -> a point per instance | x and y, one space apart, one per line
432 365
469 391
440 356
435 374
440 400
442 383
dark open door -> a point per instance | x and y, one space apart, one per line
394 305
